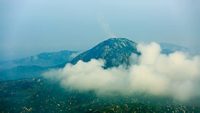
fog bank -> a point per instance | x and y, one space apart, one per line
176 75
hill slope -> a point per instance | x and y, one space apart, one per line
114 51
33 66
45 59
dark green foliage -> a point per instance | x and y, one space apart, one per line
38 95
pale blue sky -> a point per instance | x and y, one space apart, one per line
28 27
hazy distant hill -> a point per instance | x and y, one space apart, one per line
45 59
169 48
33 66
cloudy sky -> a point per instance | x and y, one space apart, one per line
32 26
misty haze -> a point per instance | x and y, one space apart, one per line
99 56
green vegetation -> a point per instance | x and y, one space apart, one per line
38 95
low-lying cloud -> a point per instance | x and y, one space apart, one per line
176 75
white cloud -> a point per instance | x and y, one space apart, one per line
176 75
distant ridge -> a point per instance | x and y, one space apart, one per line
45 59
33 66
114 51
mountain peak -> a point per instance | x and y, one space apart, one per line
118 40
115 51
